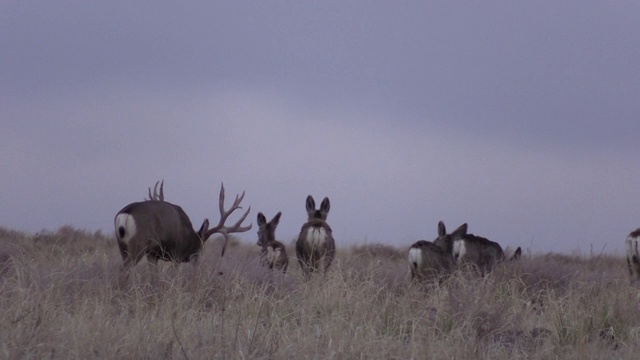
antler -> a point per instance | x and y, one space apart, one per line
157 196
235 228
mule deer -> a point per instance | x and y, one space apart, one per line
274 253
633 256
162 231
479 252
315 244
429 260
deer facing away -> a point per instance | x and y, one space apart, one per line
430 260
315 246
479 252
162 230
274 253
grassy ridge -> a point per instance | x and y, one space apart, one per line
61 297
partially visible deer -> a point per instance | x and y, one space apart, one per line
274 253
633 254
431 260
315 245
516 254
162 231
479 252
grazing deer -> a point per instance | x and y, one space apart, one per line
315 244
633 256
274 253
429 260
162 231
479 252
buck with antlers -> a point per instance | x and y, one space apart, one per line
274 253
315 243
162 231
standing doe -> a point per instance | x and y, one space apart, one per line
430 260
274 253
315 244
633 256
162 231
479 252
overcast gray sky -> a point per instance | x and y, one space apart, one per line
518 118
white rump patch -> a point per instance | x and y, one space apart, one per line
415 257
316 237
272 254
459 249
632 247
127 223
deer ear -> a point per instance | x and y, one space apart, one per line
459 232
325 206
261 219
276 219
442 230
517 254
203 229
311 204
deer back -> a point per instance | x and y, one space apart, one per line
478 251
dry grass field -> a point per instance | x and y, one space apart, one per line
61 296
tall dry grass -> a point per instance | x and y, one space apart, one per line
61 297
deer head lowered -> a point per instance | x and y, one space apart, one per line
162 230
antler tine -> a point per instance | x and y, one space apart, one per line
161 196
157 196
221 203
155 188
235 228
